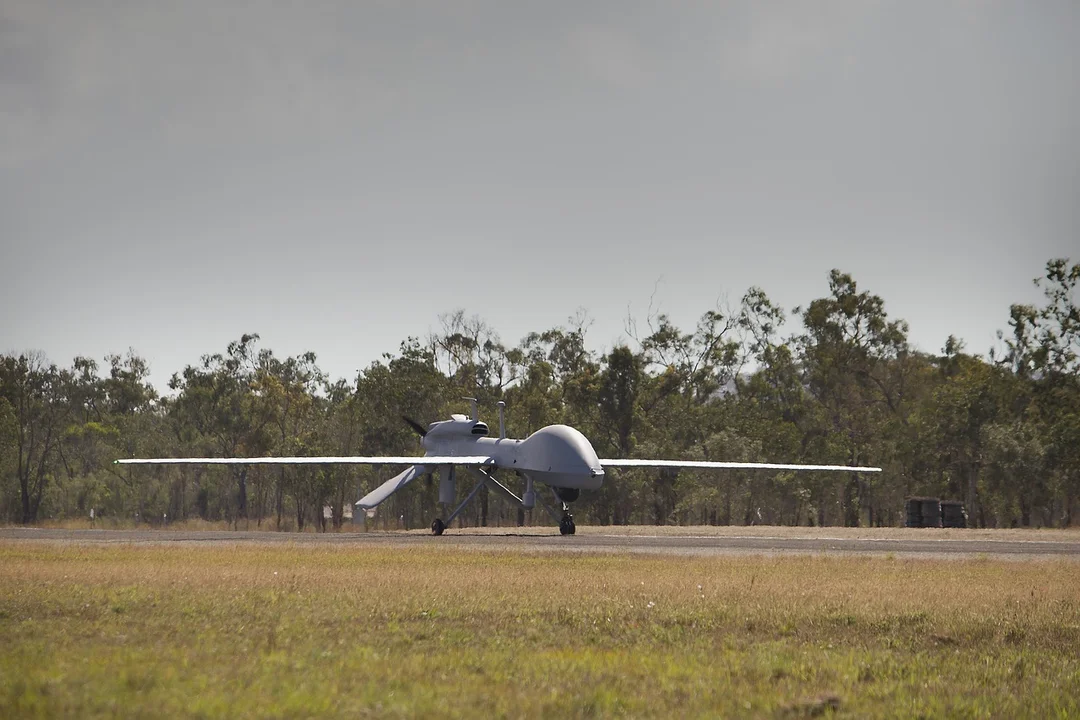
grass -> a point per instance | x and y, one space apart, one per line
254 630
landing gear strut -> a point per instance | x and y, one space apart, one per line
438 527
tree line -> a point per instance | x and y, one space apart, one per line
1000 432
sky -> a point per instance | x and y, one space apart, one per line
335 176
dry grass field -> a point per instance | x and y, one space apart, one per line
290 630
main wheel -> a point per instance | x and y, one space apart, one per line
566 525
438 527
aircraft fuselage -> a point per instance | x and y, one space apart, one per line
557 455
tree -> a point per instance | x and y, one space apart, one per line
1044 353
39 395
965 396
853 363
285 396
216 409
1003 434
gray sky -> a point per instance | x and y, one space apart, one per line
336 175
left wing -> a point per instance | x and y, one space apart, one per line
729 465
316 460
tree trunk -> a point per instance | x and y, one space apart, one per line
24 493
241 495
279 497
483 506
972 490
851 501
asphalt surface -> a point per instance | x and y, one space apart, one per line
593 541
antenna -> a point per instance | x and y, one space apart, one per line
502 418
475 409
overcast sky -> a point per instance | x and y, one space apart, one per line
336 175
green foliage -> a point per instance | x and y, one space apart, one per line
1002 434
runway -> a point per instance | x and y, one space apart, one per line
999 544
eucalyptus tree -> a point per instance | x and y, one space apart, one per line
1015 479
8 453
618 422
1058 333
339 429
217 411
775 415
853 362
132 406
38 394
558 378
285 394
1044 353
963 397
470 353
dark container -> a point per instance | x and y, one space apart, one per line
953 514
931 512
914 513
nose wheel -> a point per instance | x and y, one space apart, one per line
566 525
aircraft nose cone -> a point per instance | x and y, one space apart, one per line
564 457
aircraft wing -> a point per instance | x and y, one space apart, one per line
729 465
316 460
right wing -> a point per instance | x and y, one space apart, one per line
633 462
316 460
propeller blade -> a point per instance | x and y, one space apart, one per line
420 429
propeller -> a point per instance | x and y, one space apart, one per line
420 429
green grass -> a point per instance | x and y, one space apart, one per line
250 630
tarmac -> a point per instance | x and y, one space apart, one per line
760 542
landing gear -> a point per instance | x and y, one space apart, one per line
566 524
485 478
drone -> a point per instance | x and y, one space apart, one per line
557 456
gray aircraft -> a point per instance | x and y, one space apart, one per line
557 456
